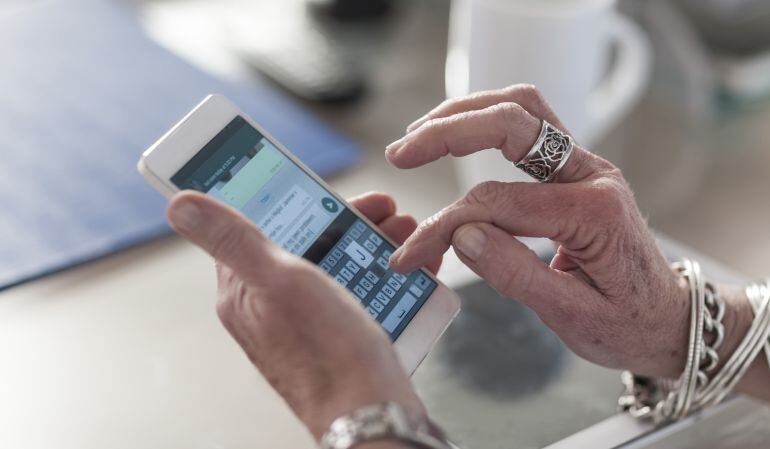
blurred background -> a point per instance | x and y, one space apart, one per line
126 351
692 141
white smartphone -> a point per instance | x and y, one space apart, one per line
218 150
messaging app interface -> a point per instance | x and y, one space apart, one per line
245 170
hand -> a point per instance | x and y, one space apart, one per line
305 333
609 292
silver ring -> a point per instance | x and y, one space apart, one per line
548 155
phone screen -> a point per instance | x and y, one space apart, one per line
244 169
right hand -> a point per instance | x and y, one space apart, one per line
608 293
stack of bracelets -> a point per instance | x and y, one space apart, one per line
700 385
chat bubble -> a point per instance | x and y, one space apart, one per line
285 213
295 221
305 230
253 176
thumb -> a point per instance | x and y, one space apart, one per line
510 267
221 231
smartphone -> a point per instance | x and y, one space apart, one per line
218 150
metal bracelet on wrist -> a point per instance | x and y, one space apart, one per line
667 400
664 400
756 300
747 351
379 422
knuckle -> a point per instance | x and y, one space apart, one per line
615 174
488 192
509 112
431 133
447 104
226 307
608 199
229 288
532 95
436 222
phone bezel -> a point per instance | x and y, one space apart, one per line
166 156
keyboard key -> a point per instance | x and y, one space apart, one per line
341 280
383 263
376 305
399 277
327 267
381 297
360 292
346 241
415 290
360 226
355 233
372 312
337 253
388 291
370 246
422 281
394 284
379 271
397 315
346 274
350 265
366 284
373 278
375 239
332 260
387 253
359 255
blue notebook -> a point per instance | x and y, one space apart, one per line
82 93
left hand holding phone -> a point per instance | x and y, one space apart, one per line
302 330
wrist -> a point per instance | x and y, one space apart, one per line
669 355
385 424
319 419
737 320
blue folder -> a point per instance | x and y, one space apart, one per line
82 93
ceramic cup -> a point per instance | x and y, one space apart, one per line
564 47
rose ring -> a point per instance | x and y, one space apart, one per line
548 155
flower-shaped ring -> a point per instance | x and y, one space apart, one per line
548 155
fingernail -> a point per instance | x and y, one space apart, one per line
391 149
186 216
394 257
471 241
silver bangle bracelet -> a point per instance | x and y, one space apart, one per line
746 352
665 400
756 305
662 400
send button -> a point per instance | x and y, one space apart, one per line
398 313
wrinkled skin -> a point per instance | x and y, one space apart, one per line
305 333
608 293
606 289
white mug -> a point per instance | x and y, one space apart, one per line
561 46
